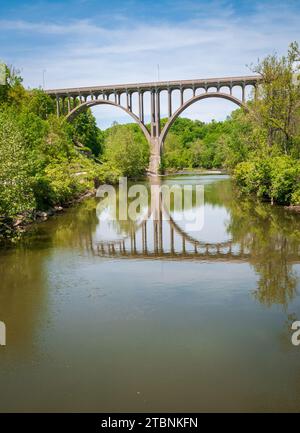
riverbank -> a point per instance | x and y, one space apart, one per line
194 171
295 209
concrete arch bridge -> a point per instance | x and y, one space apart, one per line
71 101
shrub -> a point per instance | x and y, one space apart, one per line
16 193
295 199
285 179
275 178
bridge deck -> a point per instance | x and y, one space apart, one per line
162 85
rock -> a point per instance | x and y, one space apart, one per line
295 208
42 215
20 220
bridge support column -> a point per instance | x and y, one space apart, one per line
127 101
169 103
141 107
243 94
154 156
69 104
157 113
130 101
57 106
153 130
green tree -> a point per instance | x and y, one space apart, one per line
16 193
86 133
39 103
126 150
276 108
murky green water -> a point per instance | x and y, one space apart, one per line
113 316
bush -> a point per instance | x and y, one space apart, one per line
295 200
285 179
16 193
273 178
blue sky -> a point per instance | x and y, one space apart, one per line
89 42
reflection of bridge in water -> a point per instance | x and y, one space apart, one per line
165 239
160 235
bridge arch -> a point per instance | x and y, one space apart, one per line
191 101
88 104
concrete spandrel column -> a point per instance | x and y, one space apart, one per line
243 93
157 117
141 106
69 104
181 97
130 101
153 126
169 102
57 106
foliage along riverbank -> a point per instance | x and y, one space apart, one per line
39 167
47 163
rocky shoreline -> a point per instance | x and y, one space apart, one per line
295 208
10 229
199 171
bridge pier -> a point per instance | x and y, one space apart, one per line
155 159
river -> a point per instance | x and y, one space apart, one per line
119 316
